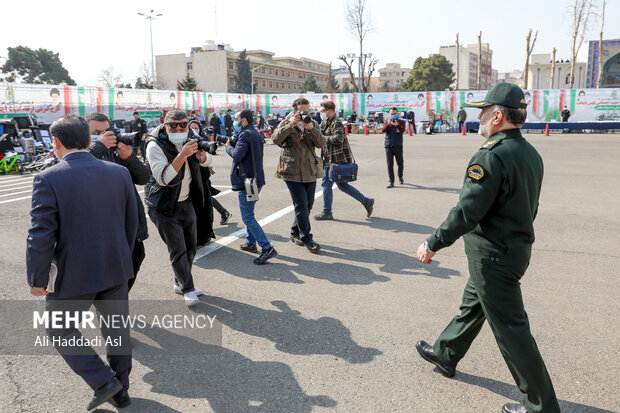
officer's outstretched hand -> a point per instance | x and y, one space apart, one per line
425 256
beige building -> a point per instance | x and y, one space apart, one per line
393 76
468 66
539 73
215 67
515 77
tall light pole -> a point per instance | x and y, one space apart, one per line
258 67
150 18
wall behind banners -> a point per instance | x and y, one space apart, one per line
48 102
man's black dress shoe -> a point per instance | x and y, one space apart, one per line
390 185
427 353
105 393
513 408
121 399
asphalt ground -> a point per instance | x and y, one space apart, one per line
335 332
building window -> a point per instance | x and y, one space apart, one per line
270 84
262 70
289 85
288 74
277 85
189 65
230 65
263 83
276 72
270 71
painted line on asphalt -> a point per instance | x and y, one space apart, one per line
16 193
14 189
16 183
16 199
216 245
15 178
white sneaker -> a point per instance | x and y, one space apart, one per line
177 290
191 298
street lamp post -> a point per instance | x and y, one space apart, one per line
258 67
150 18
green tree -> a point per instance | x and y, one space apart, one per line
431 73
187 83
35 66
310 85
243 80
332 83
346 88
385 87
143 84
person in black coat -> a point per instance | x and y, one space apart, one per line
84 223
216 124
228 123
105 147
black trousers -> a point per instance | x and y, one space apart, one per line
179 233
83 360
302 195
218 207
390 154
137 256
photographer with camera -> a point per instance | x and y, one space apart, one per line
206 174
107 146
176 195
299 136
394 129
247 176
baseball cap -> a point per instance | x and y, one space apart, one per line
505 94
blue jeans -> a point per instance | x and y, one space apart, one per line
328 196
302 195
253 229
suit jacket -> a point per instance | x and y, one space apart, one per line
84 218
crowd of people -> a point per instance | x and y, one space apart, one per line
92 191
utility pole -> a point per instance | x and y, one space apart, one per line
457 62
150 18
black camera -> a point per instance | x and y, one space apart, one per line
222 139
305 117
131 139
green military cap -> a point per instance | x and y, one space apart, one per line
505 94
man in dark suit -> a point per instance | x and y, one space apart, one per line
86 226
228 123
216 123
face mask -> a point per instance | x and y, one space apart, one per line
393 116
94 137
196 132
236 126
323 115
177 138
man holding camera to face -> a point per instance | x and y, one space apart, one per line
394 129
173 194
299 136
106 146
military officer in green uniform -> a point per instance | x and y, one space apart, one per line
495 215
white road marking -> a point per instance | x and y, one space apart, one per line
13 189
216 245
16 193
16 199
24 182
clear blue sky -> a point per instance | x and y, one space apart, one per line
91 36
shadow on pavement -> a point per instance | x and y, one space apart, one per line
391 262
389 224
229 381
289 330
430 188
510 391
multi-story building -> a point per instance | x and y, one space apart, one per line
215 67
515 77
468 66
611 64
393 76
539 73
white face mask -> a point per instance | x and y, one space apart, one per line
94 137
177 138
323 116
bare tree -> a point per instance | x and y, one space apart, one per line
478 78
108 78
528 52
599 79
371 69
145 77
581 12
349 64
552 69
457 62
359 24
